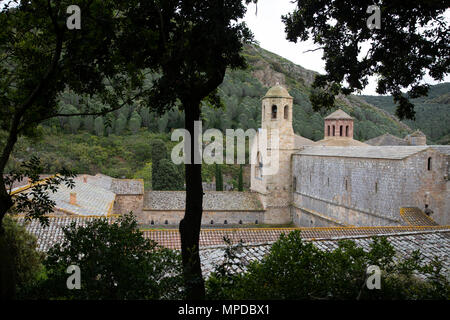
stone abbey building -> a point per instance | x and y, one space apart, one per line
334 182
339 181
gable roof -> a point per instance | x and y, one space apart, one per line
387 139
372 152
212 201
431 244
300 141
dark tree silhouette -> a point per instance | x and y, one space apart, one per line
412 40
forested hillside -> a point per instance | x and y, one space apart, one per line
432 112
118 144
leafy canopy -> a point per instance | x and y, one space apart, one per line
412 41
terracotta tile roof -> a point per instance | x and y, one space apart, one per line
416 217
212 201
48 236
170 238
433 241
431 244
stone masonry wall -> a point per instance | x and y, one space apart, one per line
163 217
126 203
361 191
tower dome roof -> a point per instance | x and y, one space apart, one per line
277 91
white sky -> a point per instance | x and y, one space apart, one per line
268 30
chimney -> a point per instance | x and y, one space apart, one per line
73 198
85 179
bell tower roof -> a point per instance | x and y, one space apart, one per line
338 115
277 91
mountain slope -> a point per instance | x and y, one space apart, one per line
87 144
242 90
432 112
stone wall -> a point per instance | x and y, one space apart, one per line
126 203
367 191
173 217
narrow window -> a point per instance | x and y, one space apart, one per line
328 181
294 184
240 221
340 131
286 112
376 187
346 131
429 163
334 131
258 167
346 185
328 131
274 112
264 111
212 221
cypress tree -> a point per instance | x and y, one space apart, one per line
219 178
240 180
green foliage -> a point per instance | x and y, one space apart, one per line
240 179
432 116
116 262
25 261
410 43
167 176
146 174
219 177
35 204
295 269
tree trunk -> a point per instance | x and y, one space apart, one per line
191 223
7 274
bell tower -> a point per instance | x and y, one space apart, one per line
275 188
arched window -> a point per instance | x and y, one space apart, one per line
340 131
286 112
328 131
334 131
429 163
346 131
274 112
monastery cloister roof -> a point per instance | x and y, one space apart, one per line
432 241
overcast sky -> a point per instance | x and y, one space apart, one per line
269 32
